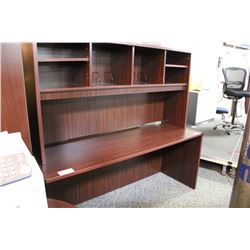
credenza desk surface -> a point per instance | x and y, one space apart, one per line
99 151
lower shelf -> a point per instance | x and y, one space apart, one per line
97 152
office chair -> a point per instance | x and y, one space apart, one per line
233 86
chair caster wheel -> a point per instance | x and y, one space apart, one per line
214 128
228 133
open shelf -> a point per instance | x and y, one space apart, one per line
177 58
100 151
176 66
62 74
112 64
176 75
64 59
69 93
56 51
148 66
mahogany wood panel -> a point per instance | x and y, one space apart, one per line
154 46
85 186
175 110
122 66
72 118
178 101
62 50
177 67
68 93
13 100
176 75
132 66
181 161
90 64
100 151
148 66
111 64
64 59
179 58
63 74
164 68
53 203
33 102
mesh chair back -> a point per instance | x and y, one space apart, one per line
234 78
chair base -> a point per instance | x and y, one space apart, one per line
229 127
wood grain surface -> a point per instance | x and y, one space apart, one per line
14 114
97 152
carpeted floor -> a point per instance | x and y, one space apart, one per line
159 190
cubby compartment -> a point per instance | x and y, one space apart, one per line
148 66
53 75
62 51
111 64
176 75
175 58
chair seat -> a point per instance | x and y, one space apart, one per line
221 110
237 93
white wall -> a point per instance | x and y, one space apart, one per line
193 25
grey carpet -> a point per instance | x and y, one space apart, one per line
161 191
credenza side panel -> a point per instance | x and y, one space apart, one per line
181 161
